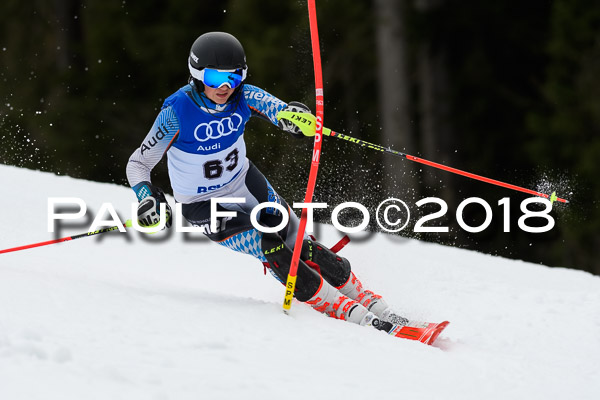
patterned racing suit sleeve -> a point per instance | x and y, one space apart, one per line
156 143
263 104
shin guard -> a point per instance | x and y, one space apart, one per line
337 271
333 268
279 257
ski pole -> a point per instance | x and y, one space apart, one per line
127 224
306 122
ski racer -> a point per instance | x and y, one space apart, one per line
201 130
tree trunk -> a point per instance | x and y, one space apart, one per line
436 134
400 176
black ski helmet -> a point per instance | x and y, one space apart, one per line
218 50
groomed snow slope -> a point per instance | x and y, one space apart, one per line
117 317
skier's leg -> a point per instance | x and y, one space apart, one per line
261 191
311 287
238 233
337 271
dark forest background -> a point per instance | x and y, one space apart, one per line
508 90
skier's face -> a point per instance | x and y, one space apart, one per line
219 95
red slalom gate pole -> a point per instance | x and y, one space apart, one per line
290 285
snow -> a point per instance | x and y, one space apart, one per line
127 316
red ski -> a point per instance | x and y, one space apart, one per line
425 332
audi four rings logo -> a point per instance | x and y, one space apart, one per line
218 128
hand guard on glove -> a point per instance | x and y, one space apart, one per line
288 125
148 211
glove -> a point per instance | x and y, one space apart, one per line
150 198
289 126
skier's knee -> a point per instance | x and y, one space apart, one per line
333 268
279 257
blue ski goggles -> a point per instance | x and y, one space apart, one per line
215 78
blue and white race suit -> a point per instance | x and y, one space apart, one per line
206 152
